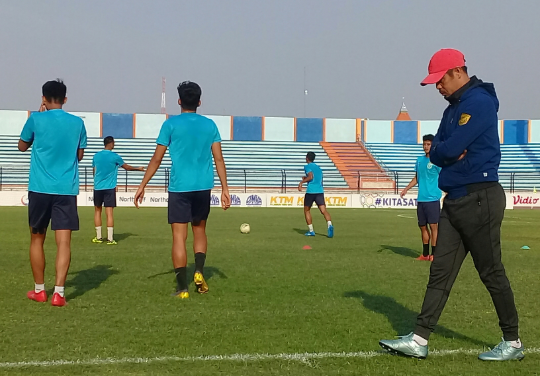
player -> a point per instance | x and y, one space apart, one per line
468 149
58 140
192 140
105 164
429 198
314 193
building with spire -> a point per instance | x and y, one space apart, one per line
403 113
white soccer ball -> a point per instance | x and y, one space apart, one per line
244 228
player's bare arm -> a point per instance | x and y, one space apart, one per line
80 154
413 182
305 179
24 146
127 167
222 174
151 170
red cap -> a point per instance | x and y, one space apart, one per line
442 62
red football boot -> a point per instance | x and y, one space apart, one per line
40 297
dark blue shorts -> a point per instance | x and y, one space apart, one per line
105 197
60 210
189 207
311 198
428 212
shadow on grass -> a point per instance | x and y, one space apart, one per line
209 272
407 252
89 279
124 236
403 319
303 232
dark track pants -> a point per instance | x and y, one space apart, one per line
470 224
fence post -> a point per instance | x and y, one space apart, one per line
358 184
512 182
245 182
167 177
396 188
0 178
285 175
85 180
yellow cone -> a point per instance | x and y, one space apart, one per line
534 190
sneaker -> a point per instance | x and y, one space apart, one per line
98 241
330 231
503 351
310 233
111 242
58 300
202 286
181 294
40 297
405 346
423 258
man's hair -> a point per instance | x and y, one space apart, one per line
108 140
451 71
428 137
190 95
54 91
311 156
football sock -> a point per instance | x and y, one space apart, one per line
110 233
59 290
421 341
181 279
98 232
433 247
39 287
200 258
329 223
425 252
310 227
516 344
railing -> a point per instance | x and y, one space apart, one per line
284 180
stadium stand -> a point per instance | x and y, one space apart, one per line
253 164
520 164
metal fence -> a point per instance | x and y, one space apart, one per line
283 180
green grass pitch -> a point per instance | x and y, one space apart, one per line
267 296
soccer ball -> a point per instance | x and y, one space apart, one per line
244 228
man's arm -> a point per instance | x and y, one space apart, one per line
413 182
80 154
24 146
151 170
222 174
472 123
305 179
127 167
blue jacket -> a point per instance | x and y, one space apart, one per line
468 123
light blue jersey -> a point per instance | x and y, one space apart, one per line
428 180
106 163
316 184
189 137
56 137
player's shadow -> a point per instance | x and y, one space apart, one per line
407 252
209 272
401 318
123 236
303 232
89 279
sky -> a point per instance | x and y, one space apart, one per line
360 57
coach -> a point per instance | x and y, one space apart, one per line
467 148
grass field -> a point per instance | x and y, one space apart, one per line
267 296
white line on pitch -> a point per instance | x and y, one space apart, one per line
405 216
302 357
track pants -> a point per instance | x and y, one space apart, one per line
470 224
